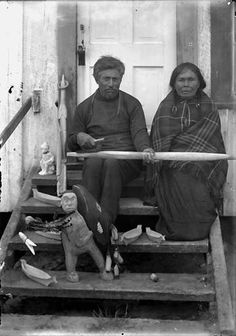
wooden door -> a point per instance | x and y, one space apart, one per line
142 34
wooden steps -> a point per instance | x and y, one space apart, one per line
142 244
128 206
132 286
86 325
74 177
48 183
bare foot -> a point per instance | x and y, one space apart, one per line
106 276
72 277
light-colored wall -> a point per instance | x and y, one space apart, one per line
40 70
28 38
11 154
204 42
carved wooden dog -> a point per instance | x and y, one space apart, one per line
78 239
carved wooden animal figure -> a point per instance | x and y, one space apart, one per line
78 239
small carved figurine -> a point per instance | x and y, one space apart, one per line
78 239
47 162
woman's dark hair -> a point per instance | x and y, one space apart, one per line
108 62
188 66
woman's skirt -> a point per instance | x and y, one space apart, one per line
187 210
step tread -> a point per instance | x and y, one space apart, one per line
128 206
75 177
138 286
82 325
142 244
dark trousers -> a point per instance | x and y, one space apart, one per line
105 178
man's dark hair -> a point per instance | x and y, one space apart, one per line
108 62
187 66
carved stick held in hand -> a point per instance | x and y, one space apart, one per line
179 156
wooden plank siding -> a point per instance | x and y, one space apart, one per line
222 28
222 93
11 69
40 69
228 126
186 32
66 53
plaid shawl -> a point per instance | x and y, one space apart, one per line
189 126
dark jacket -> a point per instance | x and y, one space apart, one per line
120 121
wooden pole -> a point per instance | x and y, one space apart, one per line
9 129
61 139
179 156
223 297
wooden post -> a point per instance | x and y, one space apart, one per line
223 298
61 140
186 35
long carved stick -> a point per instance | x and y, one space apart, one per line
61 139
179 156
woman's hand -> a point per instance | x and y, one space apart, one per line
149 155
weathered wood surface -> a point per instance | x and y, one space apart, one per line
186 32
13 96
40 70
74 177
66 37
138 286
128 206
10 128
13 222
142 244
222 70
223 298
82 325
228 125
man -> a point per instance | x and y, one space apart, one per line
110 119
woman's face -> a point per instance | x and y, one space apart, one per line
186 84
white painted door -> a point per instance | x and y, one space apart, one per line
142 34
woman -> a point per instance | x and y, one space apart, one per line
188 193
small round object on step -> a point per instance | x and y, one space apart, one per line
154 277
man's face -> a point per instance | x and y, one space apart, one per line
187 84
109 83
69 202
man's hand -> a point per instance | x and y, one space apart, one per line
149 155
85 141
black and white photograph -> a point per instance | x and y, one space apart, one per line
118 167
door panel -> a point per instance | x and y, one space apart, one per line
140 33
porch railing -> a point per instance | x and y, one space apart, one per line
9 129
